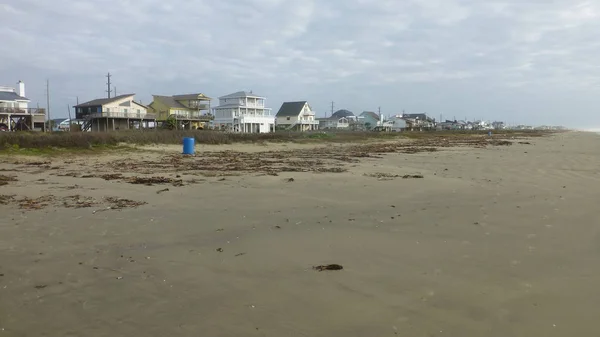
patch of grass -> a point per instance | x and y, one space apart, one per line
36 143
49 143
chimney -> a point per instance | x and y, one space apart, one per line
21 89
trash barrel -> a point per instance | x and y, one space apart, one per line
188 145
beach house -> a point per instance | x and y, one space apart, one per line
296 116
243 112
341 119
189 111
15 113
116 113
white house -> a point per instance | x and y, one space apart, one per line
11 99
15 113
396 123
243 112
296 115
341 119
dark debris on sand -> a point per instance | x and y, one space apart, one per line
328 267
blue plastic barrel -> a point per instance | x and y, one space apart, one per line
188 145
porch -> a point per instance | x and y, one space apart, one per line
114 121
22 119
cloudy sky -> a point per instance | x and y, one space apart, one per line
521 61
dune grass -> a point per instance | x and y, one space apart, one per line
44 143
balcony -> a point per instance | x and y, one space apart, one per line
307 122
132 115
192 116
26 111
254 105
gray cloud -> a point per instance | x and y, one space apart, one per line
519 61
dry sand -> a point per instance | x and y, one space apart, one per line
499 241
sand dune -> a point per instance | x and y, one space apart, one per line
497 241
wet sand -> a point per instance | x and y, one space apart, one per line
498 241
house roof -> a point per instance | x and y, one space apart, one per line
342 113
103 101
241 94
11 96
169 101
140 104
198 96
370 114
415 116
291 109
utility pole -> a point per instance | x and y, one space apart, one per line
115 91
108 84
332 105
48 103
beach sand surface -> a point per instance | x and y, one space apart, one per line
500 241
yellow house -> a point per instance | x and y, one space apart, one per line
190 111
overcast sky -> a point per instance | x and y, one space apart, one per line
520 61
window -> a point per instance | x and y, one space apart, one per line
138 111
288 118
125 110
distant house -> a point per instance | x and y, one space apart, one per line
15 113
190 111
371 120
418 121
395 123
116 113
448 125
243 112
60 124
296 116
341 119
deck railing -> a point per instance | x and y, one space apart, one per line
132 115
31 111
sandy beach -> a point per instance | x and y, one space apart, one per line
456 240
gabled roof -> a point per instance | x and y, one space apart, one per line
343 113
241 94
198 96
370 114
103 101
11 96
140 104
291 109
169 101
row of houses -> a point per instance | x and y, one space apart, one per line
242 111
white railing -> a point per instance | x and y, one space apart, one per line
133 115
307 122
191 115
